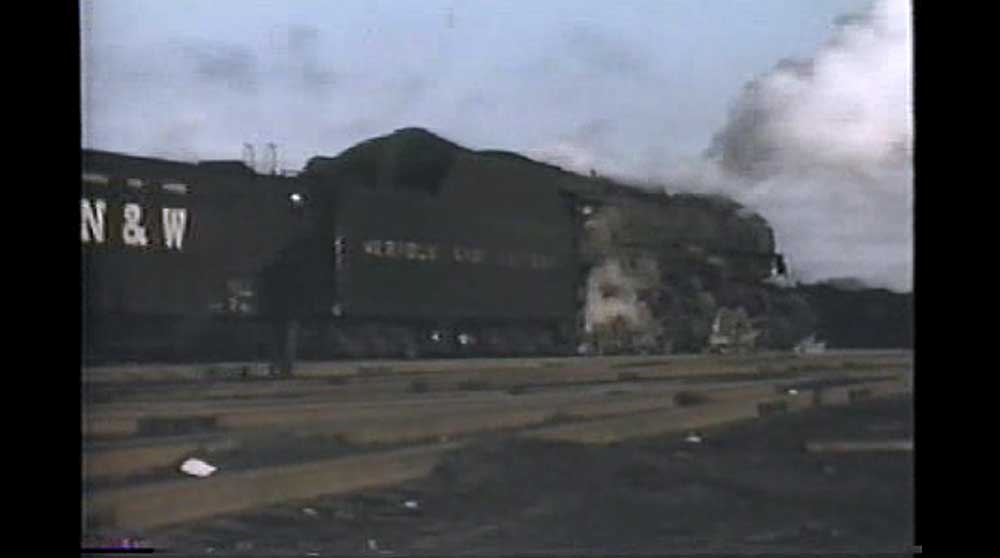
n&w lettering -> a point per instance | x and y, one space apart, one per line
174 222
133 232
94 225
92 220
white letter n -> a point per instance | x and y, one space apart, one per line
92 220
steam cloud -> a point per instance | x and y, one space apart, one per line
823 149
614 295
616 291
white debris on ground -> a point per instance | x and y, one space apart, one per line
810 346
693 438
197 468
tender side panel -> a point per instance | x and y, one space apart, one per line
423 257
172 255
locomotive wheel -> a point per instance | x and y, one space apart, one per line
408 343
494 342
443 346
334 342
402 342
522 343
546 342
377 341
351 343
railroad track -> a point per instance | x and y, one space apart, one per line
104 390
305 443
142 376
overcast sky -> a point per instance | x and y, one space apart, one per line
650 91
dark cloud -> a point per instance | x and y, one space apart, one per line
238 68
305 60
317 80
852 19
605 54
234 66
801 67
743 146
303 38
593 131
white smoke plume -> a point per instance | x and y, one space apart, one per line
611 295
823 149
616 286
614 295
613 292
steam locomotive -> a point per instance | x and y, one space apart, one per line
405 245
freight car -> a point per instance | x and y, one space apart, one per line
401 246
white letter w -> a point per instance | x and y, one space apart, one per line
174 222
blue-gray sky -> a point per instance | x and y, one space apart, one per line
316 77
635 89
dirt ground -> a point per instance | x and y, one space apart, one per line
747 488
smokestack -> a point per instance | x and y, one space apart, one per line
271 163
